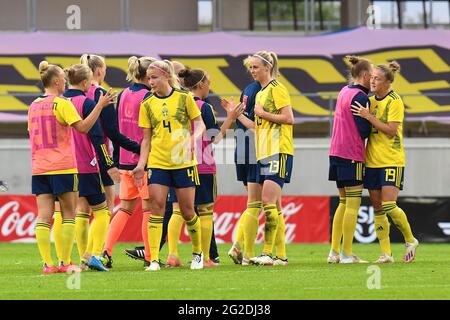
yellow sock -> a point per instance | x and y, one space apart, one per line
251 224
68 237
280 238
400 220
195 232
270 227
206 222
99 229
382 230
56 230
240 231
336 231
155 229
81 232
43 241
174 230
352 204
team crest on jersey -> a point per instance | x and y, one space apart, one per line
165 111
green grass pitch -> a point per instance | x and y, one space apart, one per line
308 276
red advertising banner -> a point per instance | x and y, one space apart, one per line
307 219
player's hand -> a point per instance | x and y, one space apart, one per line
360 111
107 99
114 173
235 112
138 175
259 111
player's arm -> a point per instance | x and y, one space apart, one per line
389 128
98 141
83 126
363 125
110 125
213 132
286 116
138 171
116 147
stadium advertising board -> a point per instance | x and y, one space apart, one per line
429 219
306 65
307 219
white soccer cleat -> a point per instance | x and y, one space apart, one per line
262 260
385 258
410 251
197 261
333 257
280 262
154 266
351 259
235 254
245 261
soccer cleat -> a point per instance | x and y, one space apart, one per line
173 261
351 259
210 263
410 251
333 257
280 262
197 261
154 266
137 253
216 259
262 260
385 258
96 264
245 261
235 254
68 268
84 264
49 269
107 260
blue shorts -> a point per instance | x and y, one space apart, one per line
91 188
206 192
54 184
177 178
375 178
246 173
106 179
277 168
346 173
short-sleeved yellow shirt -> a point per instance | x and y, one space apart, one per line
169 119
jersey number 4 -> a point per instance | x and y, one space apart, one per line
166 124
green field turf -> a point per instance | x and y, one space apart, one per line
308 276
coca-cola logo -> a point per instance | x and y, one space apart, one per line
226 224
16 226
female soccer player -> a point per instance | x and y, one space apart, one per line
274 151
91 193
167 149
347 153
385 159
54 167
128 104
108 120
198 82
245 161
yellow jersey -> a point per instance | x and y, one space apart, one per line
382 150
273 138
66 114
169 119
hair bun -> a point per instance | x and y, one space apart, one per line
353 59
184 73
394 66
43 66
